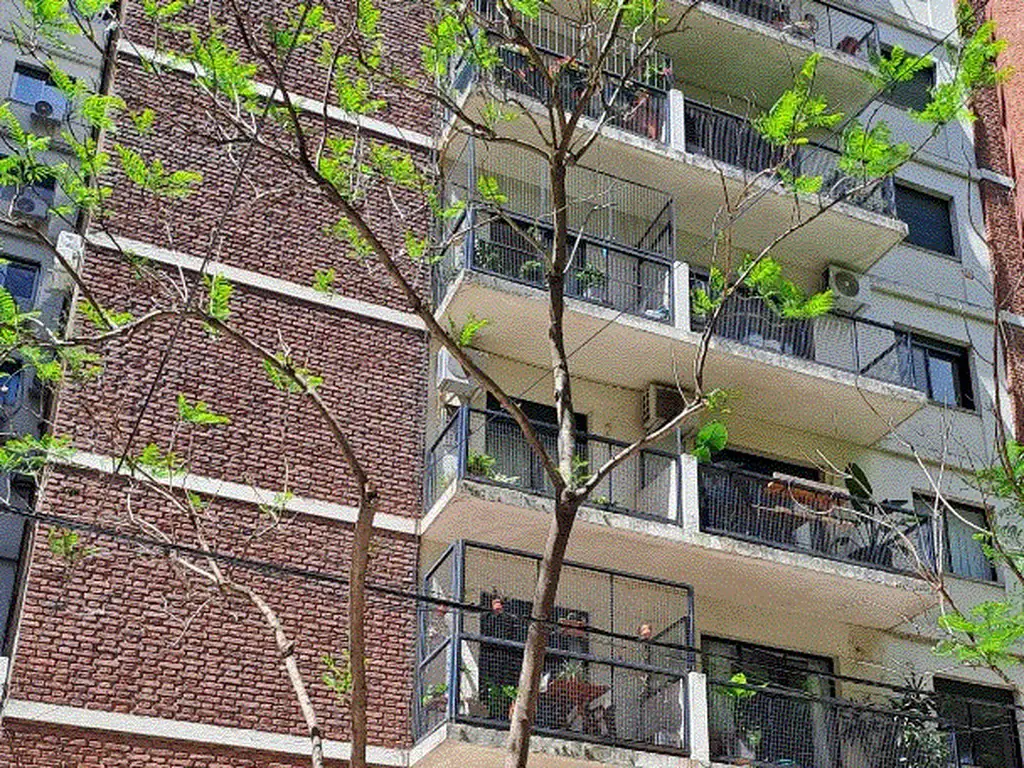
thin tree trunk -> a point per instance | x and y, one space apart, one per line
286 647
525 711
357 630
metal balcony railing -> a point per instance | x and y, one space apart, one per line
766 724
732 139
489 447
813 519
607 677
625 279
852 344
823 23
634 96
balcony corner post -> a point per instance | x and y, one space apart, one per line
681 294
697 705
689 505
676 120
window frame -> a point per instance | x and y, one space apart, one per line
953 254
947 552
957 353
889 94
978 699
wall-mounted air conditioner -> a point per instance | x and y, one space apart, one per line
450 378
851 291
50 110
661 402
27 205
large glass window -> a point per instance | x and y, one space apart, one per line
986 730
928 219
940 370
12 531
964 554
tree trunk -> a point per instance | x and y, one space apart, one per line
287 650
357 631
525 711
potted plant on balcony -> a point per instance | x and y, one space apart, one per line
748 735
435 699
480 464
591 281
878 534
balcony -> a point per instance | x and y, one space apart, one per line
813 519
851 344
488 447
750 47
731 139
607 681
787 717
739 535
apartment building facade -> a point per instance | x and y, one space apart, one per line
738 611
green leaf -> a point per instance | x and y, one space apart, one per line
219 292
199 413
710 439
489 190
465 334
323 280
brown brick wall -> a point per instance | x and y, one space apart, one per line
403 24
374 375
272 221
1000 145
127 631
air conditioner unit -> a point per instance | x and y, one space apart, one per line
450 377
661 403
71 246
28 205
851 291
50 111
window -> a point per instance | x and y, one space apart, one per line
19 278
33 86
12 529
940 370
986 731
767 729
964 556
928 219
914 93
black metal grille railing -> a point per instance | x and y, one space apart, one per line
805 517
634 92
852 344
876 195
489 447
824 24
727 138
605 679
867 727
732 139
626 280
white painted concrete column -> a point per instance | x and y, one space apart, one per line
676 120
689 510
697 693
681 294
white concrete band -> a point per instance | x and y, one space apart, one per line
225 489
184 731
257 280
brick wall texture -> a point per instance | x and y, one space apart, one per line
999 136
129 631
